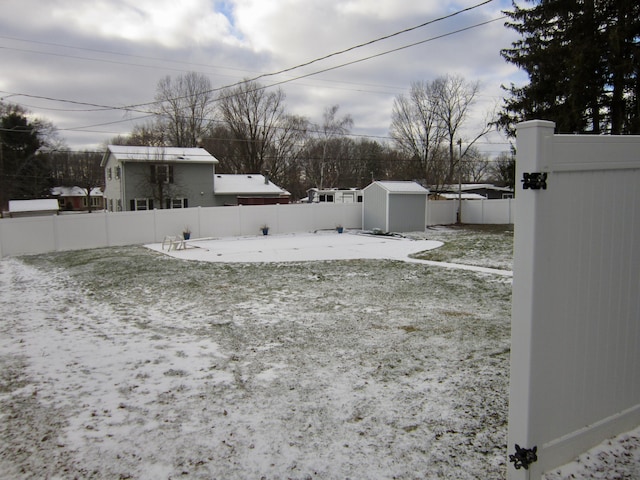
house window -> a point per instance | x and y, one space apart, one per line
84 201
96 202
111 205
359 198
326 198
119 205
177 203
507 195
109 173
139 204
117 169
161 174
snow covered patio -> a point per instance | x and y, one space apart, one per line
295 247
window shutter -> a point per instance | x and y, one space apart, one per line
185 203
132 204
153 174
170 173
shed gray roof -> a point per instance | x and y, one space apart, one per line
400 186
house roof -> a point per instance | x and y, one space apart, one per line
400 186
75 192
159 154
40 205
464 196
475 186
250 184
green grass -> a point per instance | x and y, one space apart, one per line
414 353
481 245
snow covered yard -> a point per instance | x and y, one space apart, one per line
127 363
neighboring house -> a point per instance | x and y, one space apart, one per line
334 195
75 198
247 189
394 207
144 178
32 208
475 191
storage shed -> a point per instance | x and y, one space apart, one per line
393 206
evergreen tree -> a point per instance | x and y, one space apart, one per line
23 173
582 58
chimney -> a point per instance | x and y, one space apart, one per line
266 177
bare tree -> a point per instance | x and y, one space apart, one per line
253 117
503 169
186 108
453 97
475 166
415 129
334 146
78 169
427 126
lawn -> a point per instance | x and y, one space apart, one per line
125 363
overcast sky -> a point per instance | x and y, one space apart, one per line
112 53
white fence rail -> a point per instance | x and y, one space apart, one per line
101 229
575 353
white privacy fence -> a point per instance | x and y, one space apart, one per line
575 354
103 229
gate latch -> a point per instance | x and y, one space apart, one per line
534 181
524 457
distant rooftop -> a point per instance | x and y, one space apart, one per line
161 154
245 184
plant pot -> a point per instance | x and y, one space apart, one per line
186 235
265 231
340 229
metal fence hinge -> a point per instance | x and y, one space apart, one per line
534 181
524 457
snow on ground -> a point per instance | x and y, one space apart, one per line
128 363
324 245
313 247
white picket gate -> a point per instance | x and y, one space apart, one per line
575 354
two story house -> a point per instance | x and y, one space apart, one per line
144 178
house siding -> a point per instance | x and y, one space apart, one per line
113 185
193 182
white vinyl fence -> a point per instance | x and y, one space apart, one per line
102 229
575 353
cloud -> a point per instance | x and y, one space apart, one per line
114 52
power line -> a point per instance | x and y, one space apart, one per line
135 107
264 87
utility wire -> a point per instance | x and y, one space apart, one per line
134 107
258 88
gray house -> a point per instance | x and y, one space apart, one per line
144 178
392 206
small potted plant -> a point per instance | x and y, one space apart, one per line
186 233
265 229
339 228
